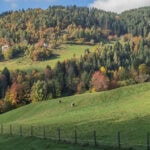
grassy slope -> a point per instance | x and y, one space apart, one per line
17 143
65 52
126 109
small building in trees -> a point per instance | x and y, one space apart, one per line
5 47
45 45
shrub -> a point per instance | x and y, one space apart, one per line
41 54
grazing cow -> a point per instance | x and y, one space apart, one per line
73 104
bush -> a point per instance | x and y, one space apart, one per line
126 82
41 54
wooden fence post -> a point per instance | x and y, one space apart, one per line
10 130
75 136
119 141
31 131
44 133
59 138
148 144
95 142
20 130
1 129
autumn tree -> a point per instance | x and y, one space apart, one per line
143 69
99 81
15 94
48 73
81 88
38 91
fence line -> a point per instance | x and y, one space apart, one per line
41 132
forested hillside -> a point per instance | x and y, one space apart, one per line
34 24
137 21
35 32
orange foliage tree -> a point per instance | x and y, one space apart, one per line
99 81
16 93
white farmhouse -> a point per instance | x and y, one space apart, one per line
5 47
45 45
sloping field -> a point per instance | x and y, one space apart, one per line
125 109
65 52
17 143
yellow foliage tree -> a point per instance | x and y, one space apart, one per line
93 90
143 69
103 70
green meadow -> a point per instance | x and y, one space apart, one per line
64 52
28 143
125 109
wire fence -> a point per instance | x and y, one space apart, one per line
75 136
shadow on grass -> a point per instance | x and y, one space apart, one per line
33 143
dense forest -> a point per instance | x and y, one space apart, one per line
137 21
36 33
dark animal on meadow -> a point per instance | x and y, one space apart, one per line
73 104
59 101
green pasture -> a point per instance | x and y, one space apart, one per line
125 110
